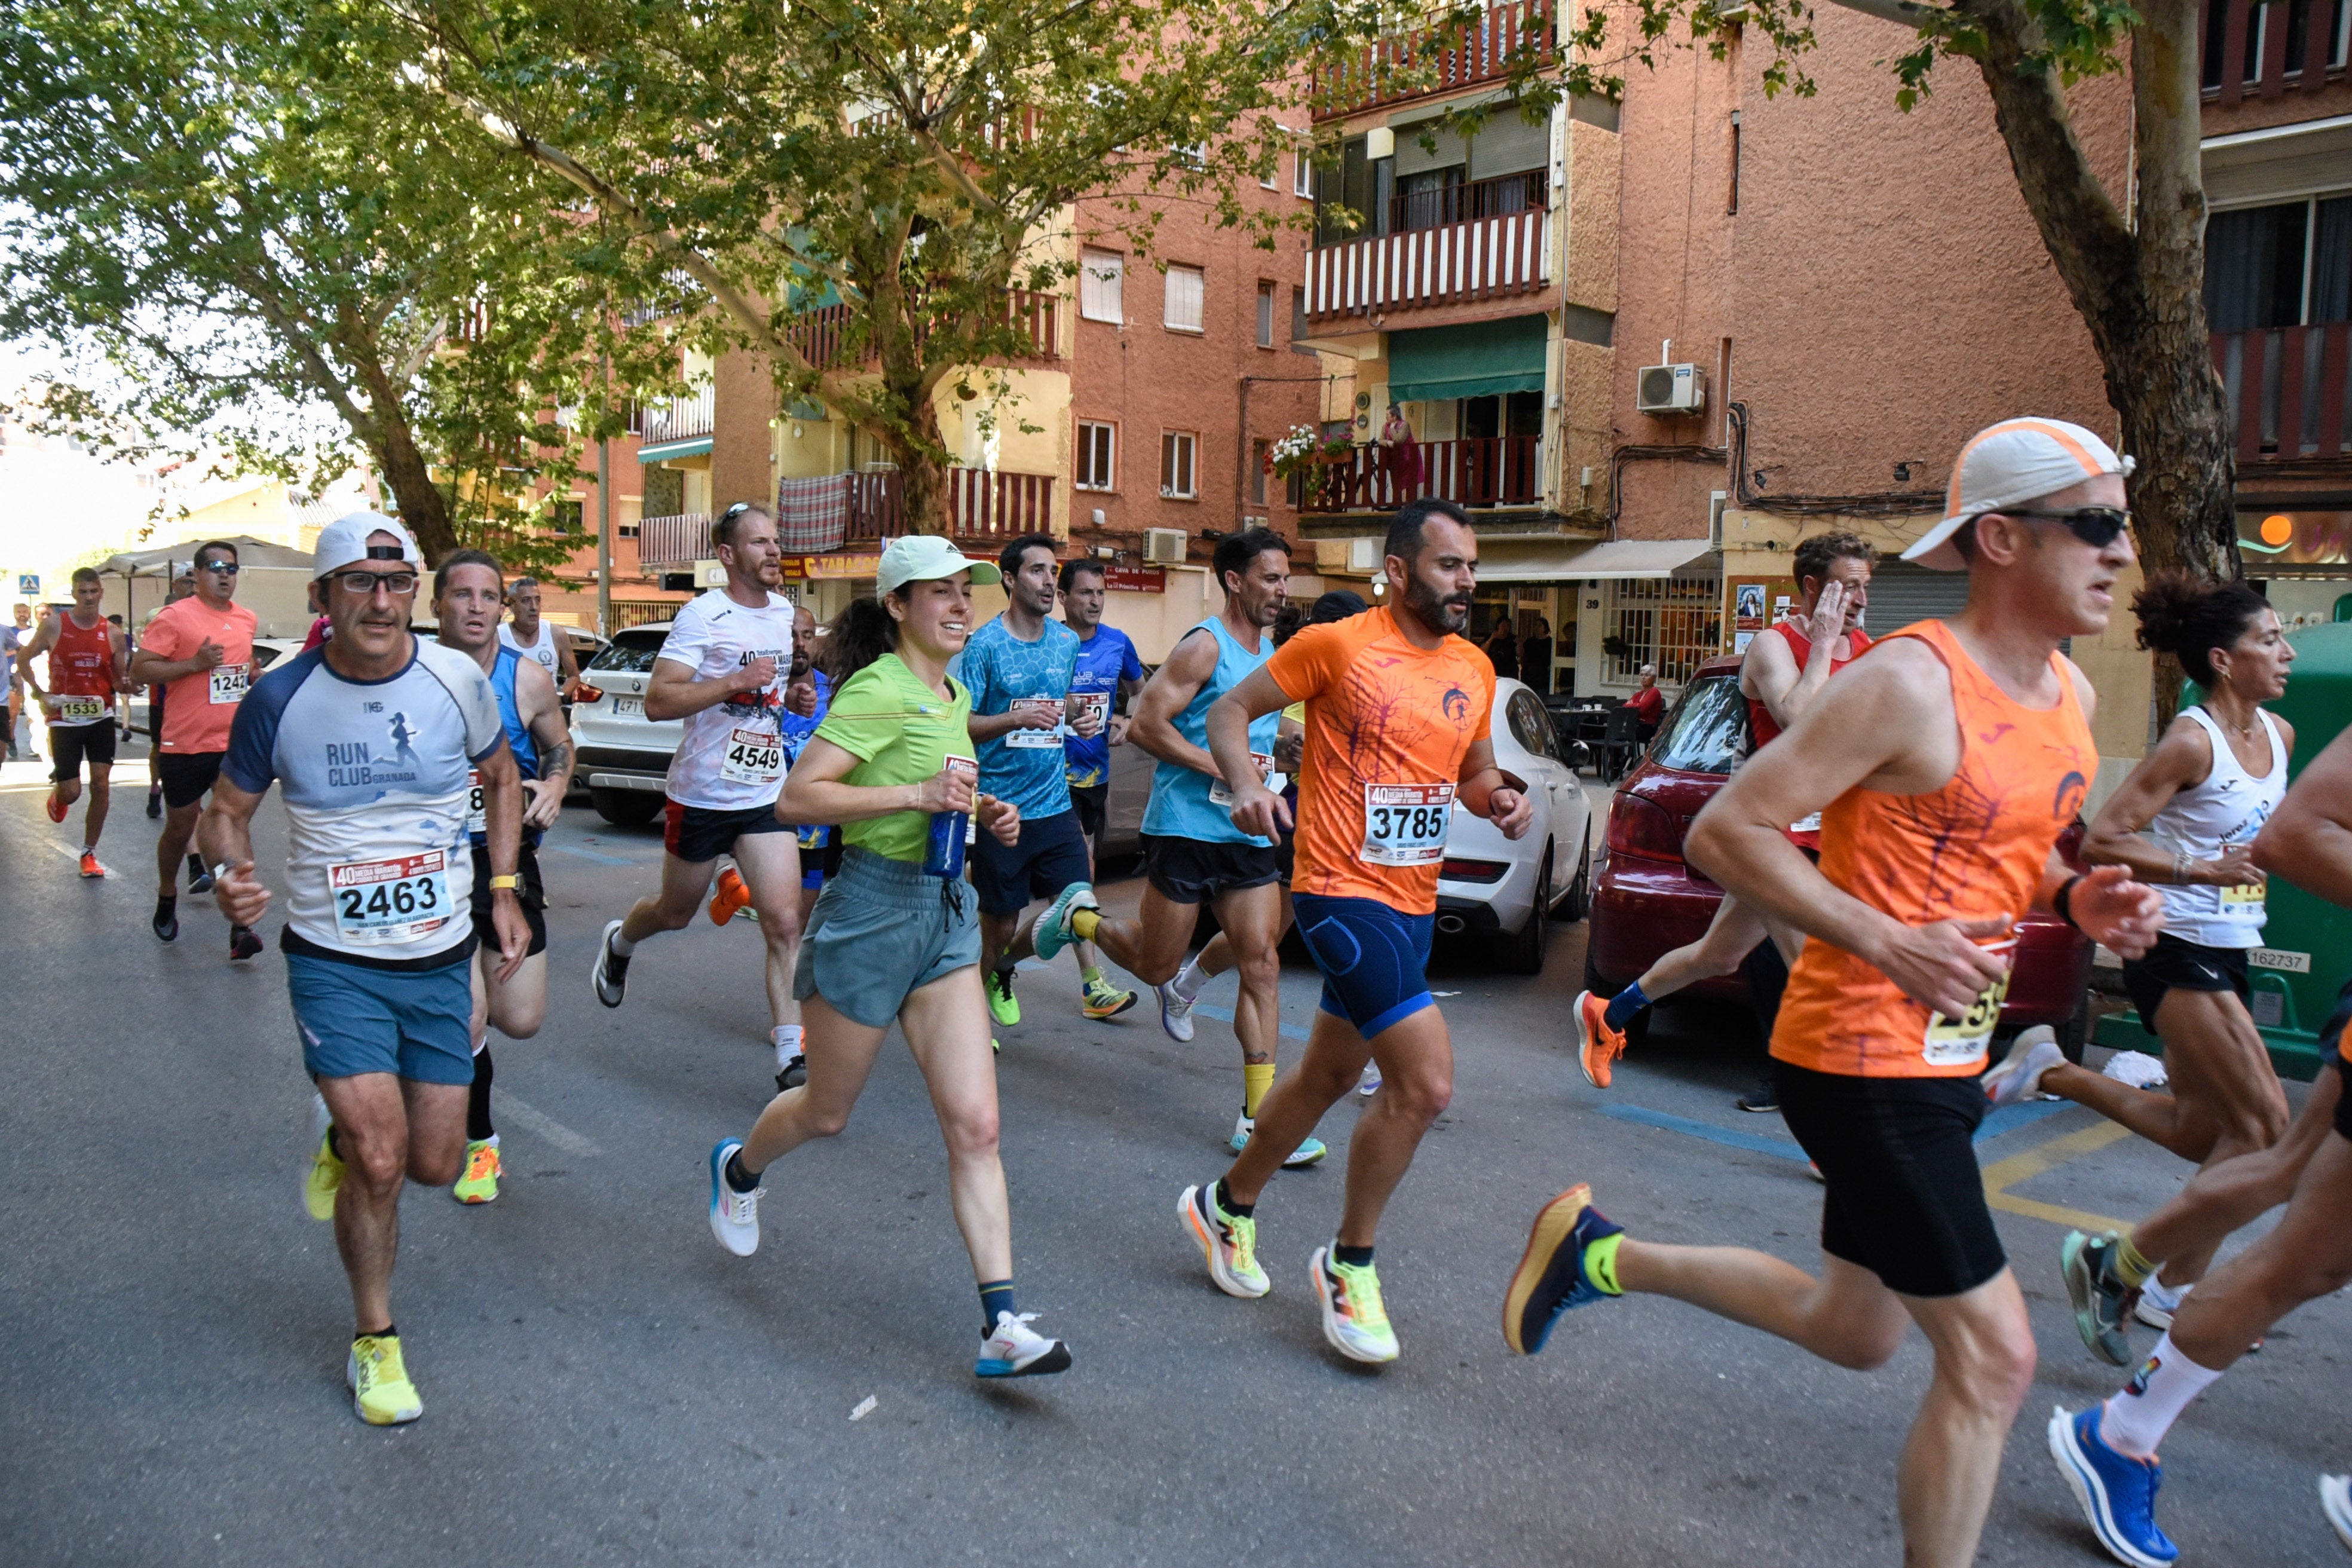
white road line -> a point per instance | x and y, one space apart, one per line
506 1106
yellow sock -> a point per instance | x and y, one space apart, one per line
2130 1267
1256 1078
1083 923
1601 1264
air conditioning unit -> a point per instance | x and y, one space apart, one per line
1670 389
1165 546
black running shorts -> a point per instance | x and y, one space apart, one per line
1186 872
70 745
698 835
186 775
2173 965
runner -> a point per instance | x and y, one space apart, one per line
13 638
1107 672
1194 850
2186 820
536 639
89 663
2108 1453
1955 755
200 881
894 936
202 648
467 600
721 670
374 737
1397 711
1786 667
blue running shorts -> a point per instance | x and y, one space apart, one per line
415 1022
1372 958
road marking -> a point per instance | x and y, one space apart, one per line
1754 1143
590 854
2002 1175
546 1127
864 1408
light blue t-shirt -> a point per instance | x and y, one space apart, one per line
1024 766
1180 806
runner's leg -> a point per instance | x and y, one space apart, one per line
388 1130
1151 947
771 866
1847 1317
1730 936
1250 921
1334 1058
1951 1461
517 1007
946 1025
1416 1059
101 794
172 847
841 1053
683 885
2307 1255
2229 1195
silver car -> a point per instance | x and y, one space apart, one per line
1498 890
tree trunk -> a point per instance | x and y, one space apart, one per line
422 506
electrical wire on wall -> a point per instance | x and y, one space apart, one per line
1880 503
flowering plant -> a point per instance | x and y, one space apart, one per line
1303 447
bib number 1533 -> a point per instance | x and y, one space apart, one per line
1405 825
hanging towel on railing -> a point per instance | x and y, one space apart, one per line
813 515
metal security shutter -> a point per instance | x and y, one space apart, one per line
1901 594
1508 145
1412 158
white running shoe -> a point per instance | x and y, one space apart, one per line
2136 1069
2157 1304
611 976
1311 1152
1015 1350
2335 1503
734 1216
1176 1014
2019 1077
1370 1084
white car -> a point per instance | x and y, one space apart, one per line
1501 890
623 756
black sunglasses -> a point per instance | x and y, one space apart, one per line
2096 526
225 568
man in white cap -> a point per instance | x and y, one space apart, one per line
1955 755
374 738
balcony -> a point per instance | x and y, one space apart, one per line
669 420
1478 471
2266 51
1422 64
818 515
1452 264
822 334
673 543
2285 388
1498 196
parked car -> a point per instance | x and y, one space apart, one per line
623 756
1648 901
267 651
1498 890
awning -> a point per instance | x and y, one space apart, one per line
1509 558
668 449
253 554
1621 558
1479 360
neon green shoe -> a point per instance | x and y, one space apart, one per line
324 1177
1099 999
380 1391
1354 1320
1001 1004
480 1184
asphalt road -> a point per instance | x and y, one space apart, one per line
603 1384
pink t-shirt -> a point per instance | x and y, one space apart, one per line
198 708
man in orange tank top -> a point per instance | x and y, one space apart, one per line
89 662
1956 753
1785 670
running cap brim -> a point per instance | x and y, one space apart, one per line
344 542
925 557
2007 464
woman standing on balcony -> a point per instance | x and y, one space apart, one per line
1400 457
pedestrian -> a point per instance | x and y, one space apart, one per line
13 638
1648 703
1400 457
1535 658
1503 649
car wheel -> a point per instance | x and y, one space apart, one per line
626 807
1578 901
1525 955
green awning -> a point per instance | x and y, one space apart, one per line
1480 360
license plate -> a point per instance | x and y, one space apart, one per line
627 707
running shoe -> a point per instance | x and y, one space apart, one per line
2102 1300
1098 999
244 942
1003 1005
1052 932
1228 1241
1765 1096
480 1184
1175 1014
165 921
1311 1152
2156 1304
1015 1350
1551 1279
2117 1492
2335 1503
1354 1321
794 1073
154 803
1597 1044
1370 1084
734 1216
323 1177
2018 1078
56 807
200 881
378 1380
611 974
89 866
730 899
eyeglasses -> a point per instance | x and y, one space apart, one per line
366 583
2096 526
225 568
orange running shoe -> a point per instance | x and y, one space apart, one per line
89 866
56 808
731 898
1597 1044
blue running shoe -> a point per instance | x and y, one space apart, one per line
1052 932
1551 1278
2117 1492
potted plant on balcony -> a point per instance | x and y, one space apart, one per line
1305 451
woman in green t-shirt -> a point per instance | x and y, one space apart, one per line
885 940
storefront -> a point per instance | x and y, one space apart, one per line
2300 557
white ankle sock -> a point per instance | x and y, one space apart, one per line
2136 1419
786 1038
1189 981
622 946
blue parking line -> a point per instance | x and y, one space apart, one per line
590 854
2007 1118
1289 1031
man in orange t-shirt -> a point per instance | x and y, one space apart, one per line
1398 706
198 652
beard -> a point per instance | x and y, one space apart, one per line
1438 612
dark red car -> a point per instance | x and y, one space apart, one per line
1647 900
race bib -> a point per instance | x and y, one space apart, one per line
1096 705
230 681
752 757
77 710
2245 898
1808 824
1036 740
1260 764
1956 1042
1405 825
398 900
477 820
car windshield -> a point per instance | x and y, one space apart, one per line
632 652
1708 733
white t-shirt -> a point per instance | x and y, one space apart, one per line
733 758
543 650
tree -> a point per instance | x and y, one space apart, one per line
230 202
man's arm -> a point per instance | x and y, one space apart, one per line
1169 692
673 692
1128 690
567 660
1770 673
1488 792
225 834
1256 810
542 714
2308 840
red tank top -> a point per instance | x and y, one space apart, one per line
81 663
1759 718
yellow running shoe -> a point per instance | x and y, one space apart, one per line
380 1391
1354 1320
1100 999
325 1176
480 1184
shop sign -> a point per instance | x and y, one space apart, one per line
839 564
2295 540
1135 579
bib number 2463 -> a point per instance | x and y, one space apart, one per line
390 901
1405 825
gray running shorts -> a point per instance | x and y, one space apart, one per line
880 931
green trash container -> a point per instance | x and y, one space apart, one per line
2307 954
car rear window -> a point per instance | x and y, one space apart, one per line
632 652
1707 732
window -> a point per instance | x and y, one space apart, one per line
1707 731
1259 453
1674 623
1265 315
1096 448
1302 177
568 517
1100 273
1177 478
1184 291
2280 266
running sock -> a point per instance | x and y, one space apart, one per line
1354 1257
1189 980
740 1179
2136 1420
786 1038
1623 1005
195 866
385 1332
1084 923
478 1099
1601 1264
622 946
1222 1196
996 1296
2131 1268
1089 973
166 904
1256 1078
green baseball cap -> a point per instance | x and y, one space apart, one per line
923 558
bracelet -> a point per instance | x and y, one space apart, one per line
509 883
2181 862
2064 896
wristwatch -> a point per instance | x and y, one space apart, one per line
509 883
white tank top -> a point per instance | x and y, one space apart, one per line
543 650
2228 809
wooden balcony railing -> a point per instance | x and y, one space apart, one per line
1454 263
823 333
983 505
1498 196
2287 391
1406 66
1475 471
687 418
2266 50
673 542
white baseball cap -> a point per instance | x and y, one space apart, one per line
344 542
2007 464
922 557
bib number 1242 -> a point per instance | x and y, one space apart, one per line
1405 825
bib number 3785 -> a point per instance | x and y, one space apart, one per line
390 901
1405 825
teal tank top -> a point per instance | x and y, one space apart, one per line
1180 806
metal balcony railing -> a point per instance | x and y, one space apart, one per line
2286 390
1454 263
1474 472
2254 50
1406 66
1497 196
687 418
673 542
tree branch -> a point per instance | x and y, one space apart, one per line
1903 13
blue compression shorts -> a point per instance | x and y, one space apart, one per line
1372 958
